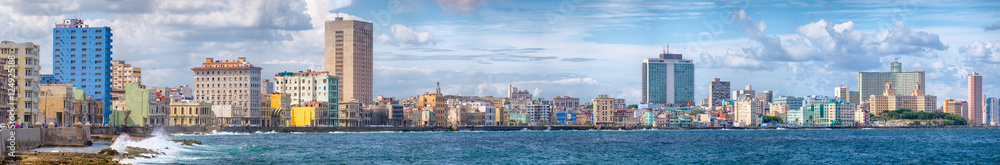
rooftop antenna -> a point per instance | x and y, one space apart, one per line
668 48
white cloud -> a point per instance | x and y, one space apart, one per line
982 51
460 6
406 35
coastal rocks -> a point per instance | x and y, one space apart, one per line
140 151
108 151
187 142
63 158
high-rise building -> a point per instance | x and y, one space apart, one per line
889 100
976 98
233 89
749 112
668 80
311 86
766 96
81 55
845 92
267 87
746 93
873 83
793 102
564 101
720 92
122 73
605 107
991 110
25 87
348 49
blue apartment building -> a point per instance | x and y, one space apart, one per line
81 55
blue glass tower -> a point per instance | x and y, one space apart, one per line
668 80
81 55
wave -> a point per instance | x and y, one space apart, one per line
158 141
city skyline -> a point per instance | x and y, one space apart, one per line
563 48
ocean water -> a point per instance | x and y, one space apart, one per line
847 146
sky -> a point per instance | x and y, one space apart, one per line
552 48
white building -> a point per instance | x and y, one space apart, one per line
749 112
25 87
235 83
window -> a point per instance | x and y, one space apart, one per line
97 31
97 55
58 38
72 37
84 31
97 68
98 86
57 50
84 37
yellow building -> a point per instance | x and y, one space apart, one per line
25 88
56 103
605 107
281 104
917 101
303 116
438 105
190 113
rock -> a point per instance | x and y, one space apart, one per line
108 151
187 142
139 151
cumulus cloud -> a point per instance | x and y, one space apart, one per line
460 6
730 60
982 52
839 44
400 34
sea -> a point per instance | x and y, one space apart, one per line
781 146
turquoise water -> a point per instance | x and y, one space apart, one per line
853 146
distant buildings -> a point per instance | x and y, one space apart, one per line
975 98
348 49
991 111
56 103
957 107
766 96
267 87
749 112
890 100
747 93
122 73
852 97
25 87
437 105
605 108
233 89
667 80
311 86
873 83
719 92
190 113
81 55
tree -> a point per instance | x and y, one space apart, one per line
633 106
590 106
696 112
772 119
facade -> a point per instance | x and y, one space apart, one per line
852 97
56 103
122 73
81 55
873 83
957 107
720 92
746 93
778 110
604 109
281 103
515 94
564 101
303 116
233 83
976 98
25 88
311 86
668 80
889 100
350 113
792 102
48 79
437 105
991 111
348 49
749 112
190 113
766 96
267 87
539 113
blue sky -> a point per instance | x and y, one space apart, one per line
553 48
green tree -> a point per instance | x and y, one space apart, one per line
772 119
590 106
696 112
633 106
